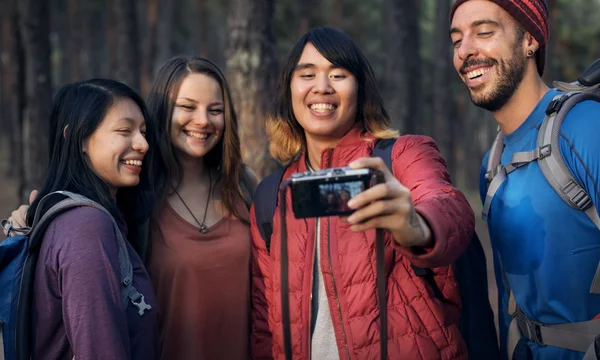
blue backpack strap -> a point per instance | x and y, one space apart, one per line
265 203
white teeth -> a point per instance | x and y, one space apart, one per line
197 135
476 73
134 162
322 107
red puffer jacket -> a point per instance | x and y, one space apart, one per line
420 325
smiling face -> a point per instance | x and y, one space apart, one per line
324 96
489 52
116 149
198 117
344 196
330 198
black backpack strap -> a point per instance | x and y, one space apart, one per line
265 197
383 149
265 203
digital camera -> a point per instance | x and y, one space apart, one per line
326 192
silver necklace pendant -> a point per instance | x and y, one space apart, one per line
203 229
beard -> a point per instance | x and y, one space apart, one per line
509 73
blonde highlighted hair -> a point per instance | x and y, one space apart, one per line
286 136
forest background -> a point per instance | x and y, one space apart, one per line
47 43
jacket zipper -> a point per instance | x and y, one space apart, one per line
337 299
312 278
335 293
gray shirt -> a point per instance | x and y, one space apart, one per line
323 345
78 309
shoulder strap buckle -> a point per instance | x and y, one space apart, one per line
490 174
577 195
545 151
139 302
529 328
7 226
559 100
557 103
553 107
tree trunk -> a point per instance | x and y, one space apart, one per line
75 40
35 27
304 9
17 108
442 97
92 29
127 43
202 28
149 48
251 70
60 29
111 27
403 83
96 61
11 57
338 14
5 57
551 71
164 32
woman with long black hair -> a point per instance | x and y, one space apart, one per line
100 144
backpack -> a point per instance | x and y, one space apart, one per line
18 259
477 319
582 336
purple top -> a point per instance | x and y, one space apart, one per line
78 309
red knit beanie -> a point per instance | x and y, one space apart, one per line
532 15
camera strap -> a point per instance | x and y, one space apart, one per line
284 288
381 293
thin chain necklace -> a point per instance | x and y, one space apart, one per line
203 227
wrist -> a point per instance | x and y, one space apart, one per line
415 235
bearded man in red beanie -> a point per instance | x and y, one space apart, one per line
546 252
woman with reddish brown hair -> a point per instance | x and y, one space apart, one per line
198 251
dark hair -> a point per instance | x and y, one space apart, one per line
285 133
78 110
225 157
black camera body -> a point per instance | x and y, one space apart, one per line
326 192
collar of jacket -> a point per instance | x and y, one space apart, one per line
355 137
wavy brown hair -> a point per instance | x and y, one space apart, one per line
287 139
226 157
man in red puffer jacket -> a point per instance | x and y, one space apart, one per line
329 113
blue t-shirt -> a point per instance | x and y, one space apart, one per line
548 250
